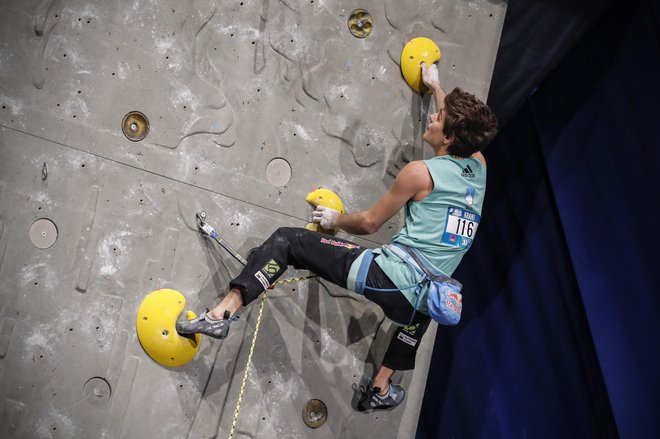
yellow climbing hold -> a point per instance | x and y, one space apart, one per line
156 320
327 198
415 52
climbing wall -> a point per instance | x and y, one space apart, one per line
120 120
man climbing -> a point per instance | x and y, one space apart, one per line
443 198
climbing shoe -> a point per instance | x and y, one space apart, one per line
371 398
205 325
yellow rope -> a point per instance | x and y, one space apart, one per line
254 342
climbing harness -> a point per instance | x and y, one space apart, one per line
210 231
444 300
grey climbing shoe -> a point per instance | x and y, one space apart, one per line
372 400
205 325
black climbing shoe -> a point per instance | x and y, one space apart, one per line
372 400
205 325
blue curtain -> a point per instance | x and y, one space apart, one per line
560 336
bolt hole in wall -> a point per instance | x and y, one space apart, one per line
135 126
278 171
43 233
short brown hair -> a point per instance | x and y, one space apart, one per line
471 122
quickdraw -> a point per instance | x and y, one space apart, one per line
210 231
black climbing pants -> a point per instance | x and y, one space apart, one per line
331 258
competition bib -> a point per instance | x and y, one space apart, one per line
460 227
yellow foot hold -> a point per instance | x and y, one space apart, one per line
327 198
415 52
156 320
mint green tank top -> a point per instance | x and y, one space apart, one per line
442 226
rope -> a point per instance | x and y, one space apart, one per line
247 365
254 342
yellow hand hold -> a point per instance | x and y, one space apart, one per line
156 330
415 52
327 198
316 227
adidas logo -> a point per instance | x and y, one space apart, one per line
467 172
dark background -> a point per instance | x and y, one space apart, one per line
560 335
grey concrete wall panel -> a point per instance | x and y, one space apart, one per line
251 105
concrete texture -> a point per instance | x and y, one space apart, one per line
251 105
